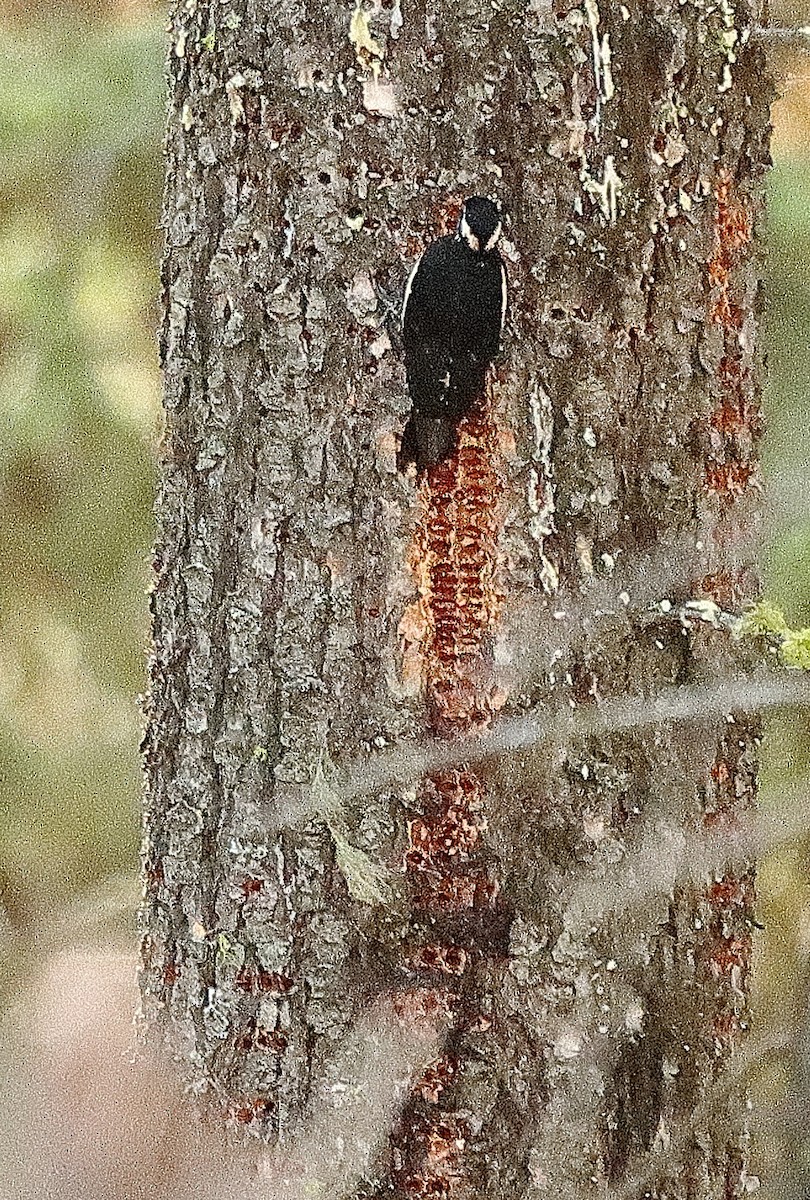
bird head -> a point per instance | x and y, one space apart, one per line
480 223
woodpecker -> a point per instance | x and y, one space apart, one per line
452 319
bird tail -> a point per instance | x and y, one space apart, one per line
426 441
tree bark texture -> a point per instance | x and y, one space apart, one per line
311 605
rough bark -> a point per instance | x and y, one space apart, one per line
311 605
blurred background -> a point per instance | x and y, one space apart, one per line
81 114
81 122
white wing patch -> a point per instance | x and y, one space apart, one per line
408 287
504 295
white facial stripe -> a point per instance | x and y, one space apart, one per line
408 287
494 237
468 235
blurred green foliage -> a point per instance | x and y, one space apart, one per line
785 875
782 964
787 399
81 117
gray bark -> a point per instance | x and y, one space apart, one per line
311 605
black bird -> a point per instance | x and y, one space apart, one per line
452 320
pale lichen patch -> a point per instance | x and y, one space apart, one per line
379 97
606 190
368 50
235 103
601 52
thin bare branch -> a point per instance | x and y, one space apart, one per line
669 856
783 35
541 728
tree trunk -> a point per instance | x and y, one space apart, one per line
312 605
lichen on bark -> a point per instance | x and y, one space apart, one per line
310 155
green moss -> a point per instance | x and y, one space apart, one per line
764 620
229 953
795 649
792 646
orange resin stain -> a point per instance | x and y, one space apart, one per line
726 906
448 878
448 632
729 479
448 635
732 235
727 903
736 422
728 589
438 1076
451 827
441 1172
443 875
